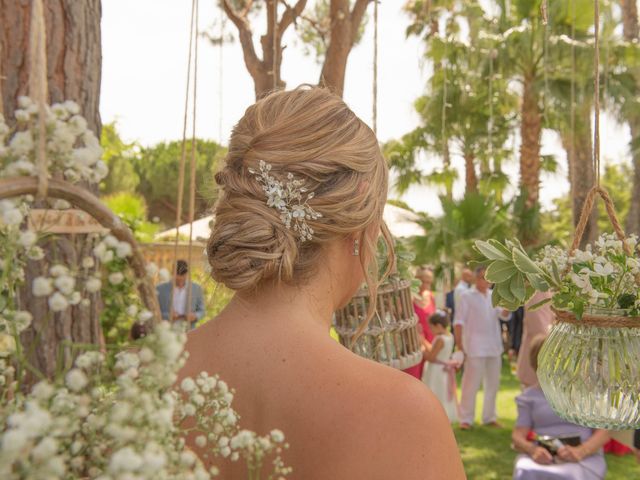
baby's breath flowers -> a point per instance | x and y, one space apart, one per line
112 415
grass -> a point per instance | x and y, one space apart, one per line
487 454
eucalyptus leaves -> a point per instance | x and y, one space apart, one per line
601 277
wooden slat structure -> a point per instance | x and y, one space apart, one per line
391 336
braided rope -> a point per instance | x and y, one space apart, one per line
603 321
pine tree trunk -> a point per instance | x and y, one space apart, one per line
74 56
630 29
74 71
471 178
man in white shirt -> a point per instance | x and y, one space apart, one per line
478 334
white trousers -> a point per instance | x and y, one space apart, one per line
478 371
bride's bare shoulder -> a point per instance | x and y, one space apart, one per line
400 426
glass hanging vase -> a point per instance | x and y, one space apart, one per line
589 369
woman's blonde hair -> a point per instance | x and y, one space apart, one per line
536 346
312 134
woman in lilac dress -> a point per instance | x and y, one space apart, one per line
582 462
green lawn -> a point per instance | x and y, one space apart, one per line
486 452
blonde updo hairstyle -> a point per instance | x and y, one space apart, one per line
312 134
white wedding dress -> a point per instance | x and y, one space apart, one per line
437 379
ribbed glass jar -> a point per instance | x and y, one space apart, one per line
591 375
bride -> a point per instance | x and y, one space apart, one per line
302 192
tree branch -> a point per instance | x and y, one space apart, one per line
251 59
357 13
290 14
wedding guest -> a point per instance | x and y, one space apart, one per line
535 322
478 335
515 332
173 302
449 301
424 305
439 373
465 283
293 256
584 461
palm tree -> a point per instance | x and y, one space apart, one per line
462 112
631 33
522 45
448 239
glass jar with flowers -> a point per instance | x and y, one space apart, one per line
588 367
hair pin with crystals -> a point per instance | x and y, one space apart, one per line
288 199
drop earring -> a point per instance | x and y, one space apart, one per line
356 248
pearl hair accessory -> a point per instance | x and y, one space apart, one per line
288 199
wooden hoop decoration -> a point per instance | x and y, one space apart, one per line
12 187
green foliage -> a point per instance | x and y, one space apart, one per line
216 295
557 225
158 168
117 298
600 278
467 108
132 209
404 258
314 29
515 275
448 239
118 156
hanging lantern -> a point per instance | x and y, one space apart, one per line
589 369
391 337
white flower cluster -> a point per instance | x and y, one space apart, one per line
124 421
601 276
287 198
12 323
72 149
110 249
551 254
59 288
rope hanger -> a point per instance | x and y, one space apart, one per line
597 189
193 51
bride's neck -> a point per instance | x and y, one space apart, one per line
311 304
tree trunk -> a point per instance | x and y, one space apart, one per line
630 30
74 57
530 131
581 177
344 29
264 71
471 179
633 218
74 70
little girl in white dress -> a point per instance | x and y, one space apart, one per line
439 373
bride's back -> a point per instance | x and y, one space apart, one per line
296 224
